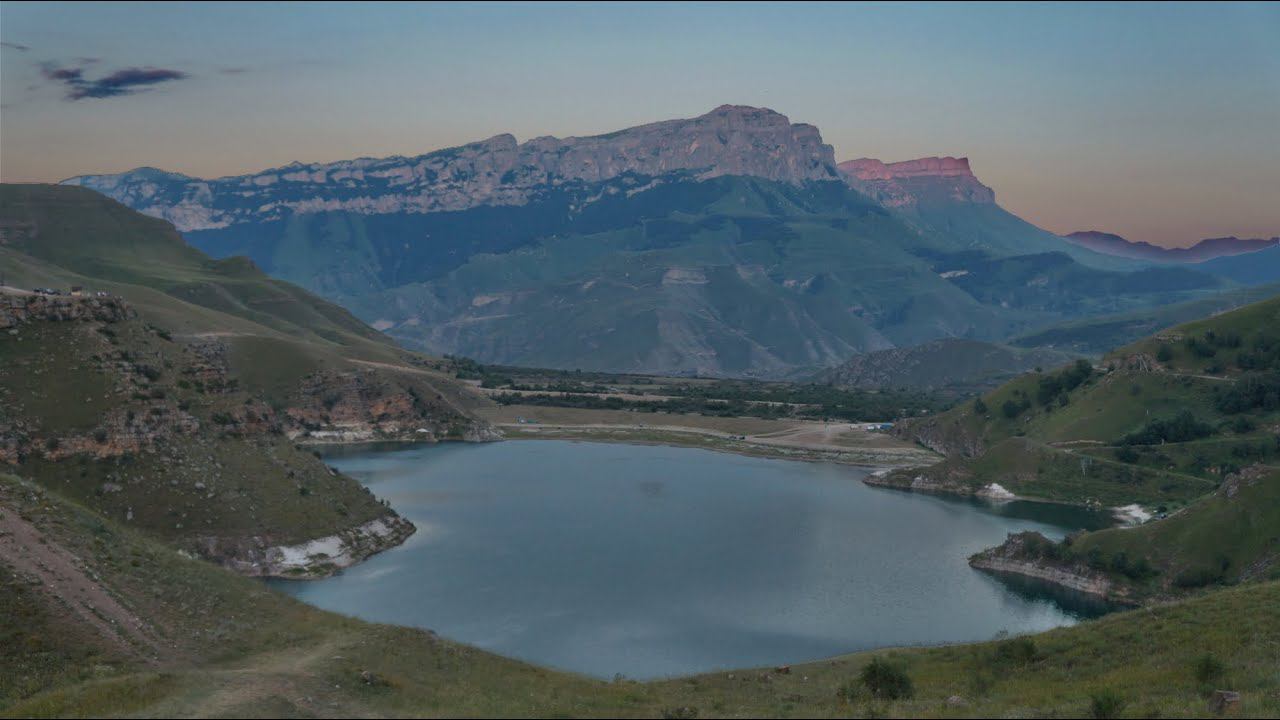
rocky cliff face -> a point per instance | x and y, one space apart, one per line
730 140
18 308
907 183
1020 554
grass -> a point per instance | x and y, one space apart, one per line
1032 469
238 649
176 418
1230 536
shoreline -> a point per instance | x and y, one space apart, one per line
1121 514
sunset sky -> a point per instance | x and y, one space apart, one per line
1158 122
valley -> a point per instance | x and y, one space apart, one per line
686 419
758 255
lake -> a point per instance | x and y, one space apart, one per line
652 561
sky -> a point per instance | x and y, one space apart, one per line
1160 122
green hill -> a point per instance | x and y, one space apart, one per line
1183 424
1098 335
172 393
954 365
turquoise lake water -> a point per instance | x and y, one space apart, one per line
652 561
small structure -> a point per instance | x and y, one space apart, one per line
77 290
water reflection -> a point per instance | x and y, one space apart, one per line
653 561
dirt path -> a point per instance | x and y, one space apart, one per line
287 676
828 438
61 575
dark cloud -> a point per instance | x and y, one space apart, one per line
15 46
127 81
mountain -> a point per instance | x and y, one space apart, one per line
949 364
727 244
1206 249
912 182
1097 335
172 392
499 172
1255 268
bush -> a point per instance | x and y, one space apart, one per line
1182 427
1106 704
1164 354
1255 391
1018 651
1013 409
1197 577
149 372
887 680
980 407
1209 669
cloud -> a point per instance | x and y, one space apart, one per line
128 81
15 46
233 70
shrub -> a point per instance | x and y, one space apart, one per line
1209 669
1164 354
149 372
1106 704
980 407
1018 651
1196 577
1182 427
1012 409
887 680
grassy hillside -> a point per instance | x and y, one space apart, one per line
196 640
1157 422
173 393
954 365
1228 537
273 333
1099 335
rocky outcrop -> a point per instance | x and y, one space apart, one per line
316 558
908 183
944 435
1025 554
871 169
730 140
939 478
18 308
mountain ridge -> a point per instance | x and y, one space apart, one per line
729 140
1203 251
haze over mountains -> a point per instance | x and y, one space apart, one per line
1205 250
727 244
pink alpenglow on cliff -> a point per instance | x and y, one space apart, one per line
907 183
872 169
